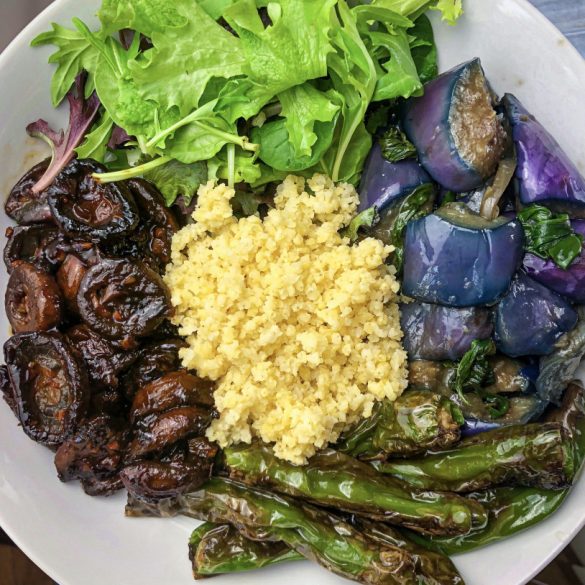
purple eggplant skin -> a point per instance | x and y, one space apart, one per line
569 283
448 263
437 333
458 134
384 182
545 173
531 319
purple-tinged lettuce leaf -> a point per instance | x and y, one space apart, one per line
82 114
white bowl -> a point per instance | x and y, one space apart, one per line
80 540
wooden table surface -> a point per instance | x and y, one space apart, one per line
568 15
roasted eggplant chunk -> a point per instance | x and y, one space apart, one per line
86 209
50 385
433 332
384 182
24 206
458 259
33 301
545 173
123 300
458 135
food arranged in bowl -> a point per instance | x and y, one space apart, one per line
282 277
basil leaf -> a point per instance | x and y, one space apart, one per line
396 146
473 370
365 219
550 235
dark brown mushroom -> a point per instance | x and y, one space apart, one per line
155 360
123 300
33 301
104 362
160 431
95 450
49 383
102 487
171 391
87 209
182 471
41 245
24 206
159 223
6 390
69 277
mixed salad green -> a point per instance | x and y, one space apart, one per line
242 90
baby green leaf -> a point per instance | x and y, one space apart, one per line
75 53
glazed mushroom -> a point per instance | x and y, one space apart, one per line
104 362
41 245
172 475
24 206
33 300
173 390
50 385
87 209
159 431
95 452
123 300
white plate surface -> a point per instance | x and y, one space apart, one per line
80 540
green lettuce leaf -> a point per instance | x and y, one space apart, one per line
95 143
354 76
176 71
215 8
424 49
246 169
277 150
302 107
175 178
145 16
75 53
291 51
451 10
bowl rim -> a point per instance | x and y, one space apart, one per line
46 16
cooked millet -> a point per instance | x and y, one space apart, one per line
299 328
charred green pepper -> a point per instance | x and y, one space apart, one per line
215 549
315 533
512 510
535 455
418 421
338 481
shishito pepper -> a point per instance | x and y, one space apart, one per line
313 532
513 510
535 455
338 481
215 549
416 422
